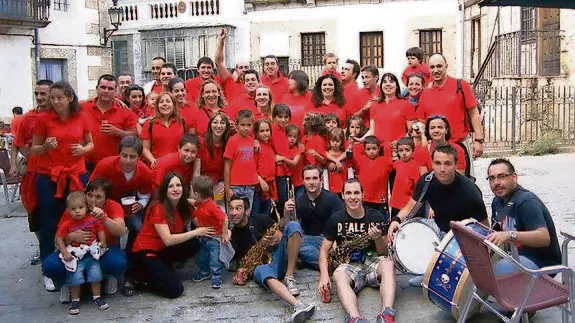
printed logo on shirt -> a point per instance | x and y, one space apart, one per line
247 153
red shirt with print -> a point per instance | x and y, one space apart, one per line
148 238
88 223
407 175
141 182
240 150
163 139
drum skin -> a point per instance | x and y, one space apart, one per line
414 245
447 279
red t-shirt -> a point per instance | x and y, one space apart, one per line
358 101
109 168
337 178
193 87
25 133
278 86
188 113
148 238
107 145
332 107
265 160
15 124
158 88
163 140
241 102
422 69
171 163
334 73
212 166
373 175
391 119
68 132
240 151
297 171
144 111
423 156
349 91
298 105
444 100
89 223
280 146
233 89
406 176
209 214
317 143
113 210
202 119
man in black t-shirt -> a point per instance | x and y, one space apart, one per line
521 218
312 210
363 269
250 229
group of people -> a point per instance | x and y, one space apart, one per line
215 165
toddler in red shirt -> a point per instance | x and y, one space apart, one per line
330 61
406 175
336 156
415 65
208 214
295 158
266 191
81 260
331 122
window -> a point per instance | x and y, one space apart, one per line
371 48
51 69
431 41
312 49
528 23
475 46
120 57
60 5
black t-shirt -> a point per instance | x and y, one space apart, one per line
341 227
314 214
457 201
527 212
244 238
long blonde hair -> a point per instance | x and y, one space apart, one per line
202 102
270 105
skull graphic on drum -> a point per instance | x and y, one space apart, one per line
445 279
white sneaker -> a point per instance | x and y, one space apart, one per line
65 294
111 285
49 284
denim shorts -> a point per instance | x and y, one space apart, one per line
88 271
309 250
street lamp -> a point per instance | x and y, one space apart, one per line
115 14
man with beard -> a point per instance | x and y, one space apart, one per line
520 217
455 100
314 208
206 72
363 268
110 122
156 84
273 78
284 242
349 74
233 84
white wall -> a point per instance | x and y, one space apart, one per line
71 27
16 66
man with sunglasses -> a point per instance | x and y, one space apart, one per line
312 209
520 217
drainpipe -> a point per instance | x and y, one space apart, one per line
37 52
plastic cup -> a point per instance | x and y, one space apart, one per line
127 203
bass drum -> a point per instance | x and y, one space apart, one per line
414 245
447 283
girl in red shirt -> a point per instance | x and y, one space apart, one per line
212 153
407 175
211 101
355 129
264 103
265 161
328 97
135 99
298 98
336 155
61 140
295 161
331 122
161 135
163 240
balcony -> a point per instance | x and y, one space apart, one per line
152 12
24 13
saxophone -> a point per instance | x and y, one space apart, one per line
341 254
257 255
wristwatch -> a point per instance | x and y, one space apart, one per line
513 236
479 140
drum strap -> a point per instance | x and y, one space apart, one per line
419 202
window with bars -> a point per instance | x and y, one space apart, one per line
371 48
528 23
431 42
312 48
120 57
60 5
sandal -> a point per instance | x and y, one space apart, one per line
129 289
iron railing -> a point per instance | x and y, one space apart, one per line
31 10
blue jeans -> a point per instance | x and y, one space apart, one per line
244 191
261 206
277 268
309 250
88 271
113 263
209 258
49 209
504 266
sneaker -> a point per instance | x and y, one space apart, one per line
216 283
302 312
416 281
200 277
289 281
101 304
355 319
35 258
386 316
111 285
49 284
65 294
74 308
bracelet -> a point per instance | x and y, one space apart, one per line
396 219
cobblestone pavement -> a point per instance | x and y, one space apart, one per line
23 298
